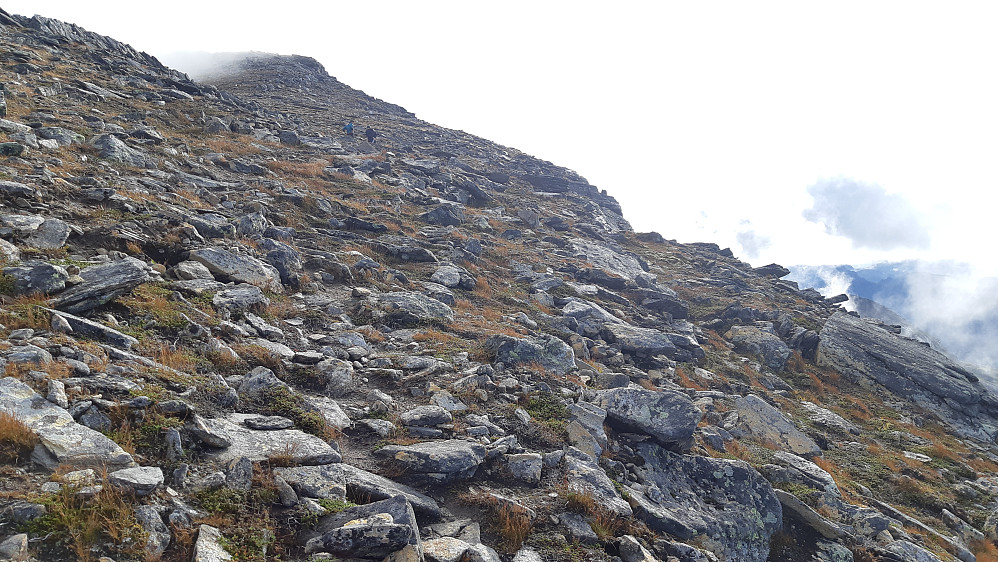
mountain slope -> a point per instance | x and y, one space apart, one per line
231 327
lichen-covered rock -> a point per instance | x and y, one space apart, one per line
547 351
411 309
321 482
759 419
911 370
62 440
112 148
297 446
728 506
374 530
103 283
238 268
584 475
437 461
141 480
363 484
667 415
764 344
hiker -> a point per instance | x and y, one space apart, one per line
349 129
370 134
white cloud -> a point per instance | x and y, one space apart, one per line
867 215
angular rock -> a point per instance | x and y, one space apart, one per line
157 533
547 351
243 297
298 447
726 505
761 343
444 215
445 549
111 148
363 484
426 416
645 342
259 382
237 268
103 283
861 348
437 461
62 440
212 225
758 418
208 548
584 475
15 548
37 277
632 551
141 480
667 415
83 326
411 309
320 482
374 530
525 467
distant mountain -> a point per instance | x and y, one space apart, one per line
939 303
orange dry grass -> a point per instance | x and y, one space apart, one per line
686 381
16 438
985 550
230 146
298 169
483 289
434 336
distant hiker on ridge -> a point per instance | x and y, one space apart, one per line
370 134
349 129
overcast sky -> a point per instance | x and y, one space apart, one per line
795 132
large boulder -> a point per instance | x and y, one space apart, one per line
764 344
227 266
45 233
37 277
112 148
725 505
62 441
546 351
865 349
437 461
409 309
644 342
667 415
371 531
612 261
103 283
764 422
321 482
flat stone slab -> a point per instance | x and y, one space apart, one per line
321 482
62 440
300 447
361 483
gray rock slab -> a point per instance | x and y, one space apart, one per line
103 283
667 415
208 548
141 480
911 370
547 351
302 448
84 326
320 482
238 268
583 474
363 484
410 309
374 530
765 345
727 502
437 461
112 148
757 418
62 440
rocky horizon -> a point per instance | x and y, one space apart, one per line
230 330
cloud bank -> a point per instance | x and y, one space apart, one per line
867 215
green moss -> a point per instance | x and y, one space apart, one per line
335 506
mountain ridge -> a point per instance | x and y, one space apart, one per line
233 330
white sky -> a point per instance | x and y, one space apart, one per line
704 119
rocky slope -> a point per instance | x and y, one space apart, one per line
231 331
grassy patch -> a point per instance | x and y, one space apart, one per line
16 439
